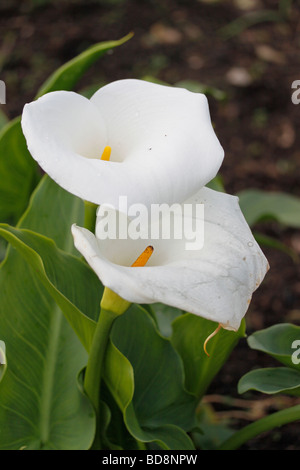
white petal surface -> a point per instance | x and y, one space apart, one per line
163 144
215 282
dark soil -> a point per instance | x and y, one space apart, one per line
257 123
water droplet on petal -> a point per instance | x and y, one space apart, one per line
250 244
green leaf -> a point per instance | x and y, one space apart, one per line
66 77
66 278
164 315
115 436
145 376
189 335
271 380
280 342
41 404
258 205
217 184
18 171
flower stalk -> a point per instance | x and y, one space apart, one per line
112 306
93 373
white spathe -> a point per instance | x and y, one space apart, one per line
215 282
163 144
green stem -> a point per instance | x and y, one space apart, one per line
92 378
90 216
112 306
94 366
264 424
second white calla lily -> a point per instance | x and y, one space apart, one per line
215 282
163 146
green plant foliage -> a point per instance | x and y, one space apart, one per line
145 375
189 335
280 341
155 369
217 184
59 272
213 431
268 423
19 174
66 77
164 315
134 357
260 205
277 341
271 380
41 403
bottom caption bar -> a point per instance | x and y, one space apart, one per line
139 458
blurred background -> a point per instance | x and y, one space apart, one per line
245 54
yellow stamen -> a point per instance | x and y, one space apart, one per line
112 301
106 153
143 258
211 336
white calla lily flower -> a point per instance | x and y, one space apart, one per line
215 282
159 140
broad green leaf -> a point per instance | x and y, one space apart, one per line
281 341
145 376
189 335
258 205
271 380
66 278
19 174
66 77
41 404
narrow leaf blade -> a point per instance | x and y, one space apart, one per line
66 77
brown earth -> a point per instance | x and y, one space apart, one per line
257 124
